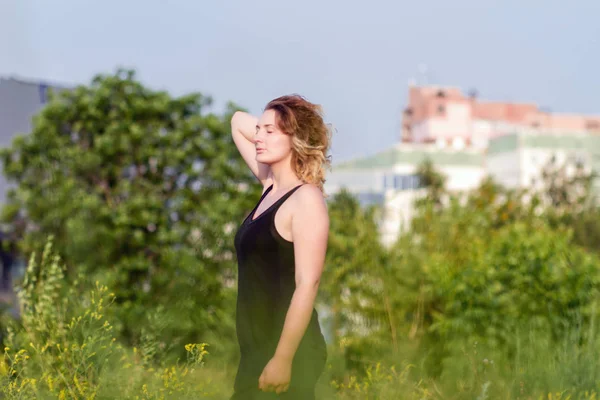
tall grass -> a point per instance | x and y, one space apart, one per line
64 347
532 366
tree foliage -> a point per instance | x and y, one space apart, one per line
141 191
352 288
474 266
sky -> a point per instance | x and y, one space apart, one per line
355 58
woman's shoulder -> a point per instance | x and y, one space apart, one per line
310 215
310 192
310 197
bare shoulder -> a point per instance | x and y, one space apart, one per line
310 194
310 204
310 220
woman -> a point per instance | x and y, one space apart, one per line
281 250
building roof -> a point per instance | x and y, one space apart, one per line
562 141
503 144
34 82
565 141
430 102
414 154
509 112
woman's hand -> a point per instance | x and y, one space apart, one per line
276 375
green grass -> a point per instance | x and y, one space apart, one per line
64 347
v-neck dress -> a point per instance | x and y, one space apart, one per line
266 284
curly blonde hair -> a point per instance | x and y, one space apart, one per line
311 137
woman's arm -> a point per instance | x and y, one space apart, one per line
243 128
310 229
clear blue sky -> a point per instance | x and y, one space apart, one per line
354 57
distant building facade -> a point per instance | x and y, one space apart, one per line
20 100
517 160
389 179
448 117
467 140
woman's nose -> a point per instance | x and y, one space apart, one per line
258 136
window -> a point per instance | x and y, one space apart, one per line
415 182
402 182
441 109
388 182
441 94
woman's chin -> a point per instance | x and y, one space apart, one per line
262 159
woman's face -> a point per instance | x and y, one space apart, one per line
272 145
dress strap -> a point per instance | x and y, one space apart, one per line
273 207
289 193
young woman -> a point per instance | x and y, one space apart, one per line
281 250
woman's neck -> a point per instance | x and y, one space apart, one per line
283 175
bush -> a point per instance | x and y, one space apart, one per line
64 347
527 276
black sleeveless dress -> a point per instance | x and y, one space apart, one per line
266 283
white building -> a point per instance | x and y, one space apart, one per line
389 180
517 160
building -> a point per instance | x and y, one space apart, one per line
447 117
517 160
20 100
389 179
467 140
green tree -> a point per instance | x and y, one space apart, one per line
568 189
484 263
567 186
433 180
353 287
142 192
